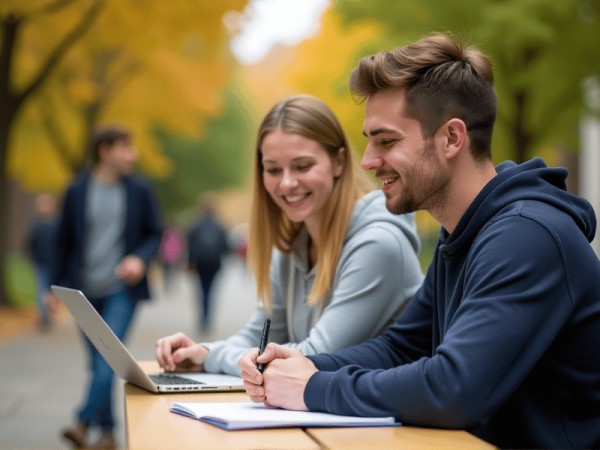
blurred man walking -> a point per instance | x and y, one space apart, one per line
108 233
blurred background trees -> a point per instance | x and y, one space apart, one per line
165 69
67 65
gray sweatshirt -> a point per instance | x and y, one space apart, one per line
377 274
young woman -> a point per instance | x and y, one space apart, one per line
333 267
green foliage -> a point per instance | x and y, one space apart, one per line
20 280
220 160
429 240
542 51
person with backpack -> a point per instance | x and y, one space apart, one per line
207 245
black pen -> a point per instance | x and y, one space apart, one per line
263 342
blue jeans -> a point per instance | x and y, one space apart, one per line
41 284
206 278
117 311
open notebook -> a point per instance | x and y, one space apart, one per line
248 415
125 366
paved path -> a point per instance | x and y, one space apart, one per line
43 375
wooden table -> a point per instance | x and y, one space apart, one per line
150 425
404 437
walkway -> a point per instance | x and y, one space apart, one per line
43 375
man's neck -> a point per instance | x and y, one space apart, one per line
106 175
464 187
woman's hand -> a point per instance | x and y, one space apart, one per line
179 353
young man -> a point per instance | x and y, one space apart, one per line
108 233
502 338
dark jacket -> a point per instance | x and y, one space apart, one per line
503 338
142 232
40 242
207 244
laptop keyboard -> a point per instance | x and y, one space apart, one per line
172 379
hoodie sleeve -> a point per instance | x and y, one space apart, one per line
512 308
223 356
377 275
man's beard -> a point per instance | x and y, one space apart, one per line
423 185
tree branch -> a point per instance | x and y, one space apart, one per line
9 27
68 41
50 8
56 135
120 79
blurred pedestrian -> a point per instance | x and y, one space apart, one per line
108 233
207 245
172 246
41 250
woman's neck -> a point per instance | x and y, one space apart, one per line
313 229
312 252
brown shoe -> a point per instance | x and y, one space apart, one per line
106 441
76 435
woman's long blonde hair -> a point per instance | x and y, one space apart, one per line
270 227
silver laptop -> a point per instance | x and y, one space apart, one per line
125 366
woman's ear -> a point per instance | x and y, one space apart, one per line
338 162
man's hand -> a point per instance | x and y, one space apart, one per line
283 381
179 353
131 269
51 302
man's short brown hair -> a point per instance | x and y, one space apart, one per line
106 135
443 79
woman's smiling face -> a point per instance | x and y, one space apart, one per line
299 175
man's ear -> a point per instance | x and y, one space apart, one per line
456 137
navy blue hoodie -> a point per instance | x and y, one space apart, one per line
503 338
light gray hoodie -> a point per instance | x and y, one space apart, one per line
377 274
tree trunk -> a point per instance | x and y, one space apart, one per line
11 102
570 160
4 208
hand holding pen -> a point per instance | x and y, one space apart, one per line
264 338
288 374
